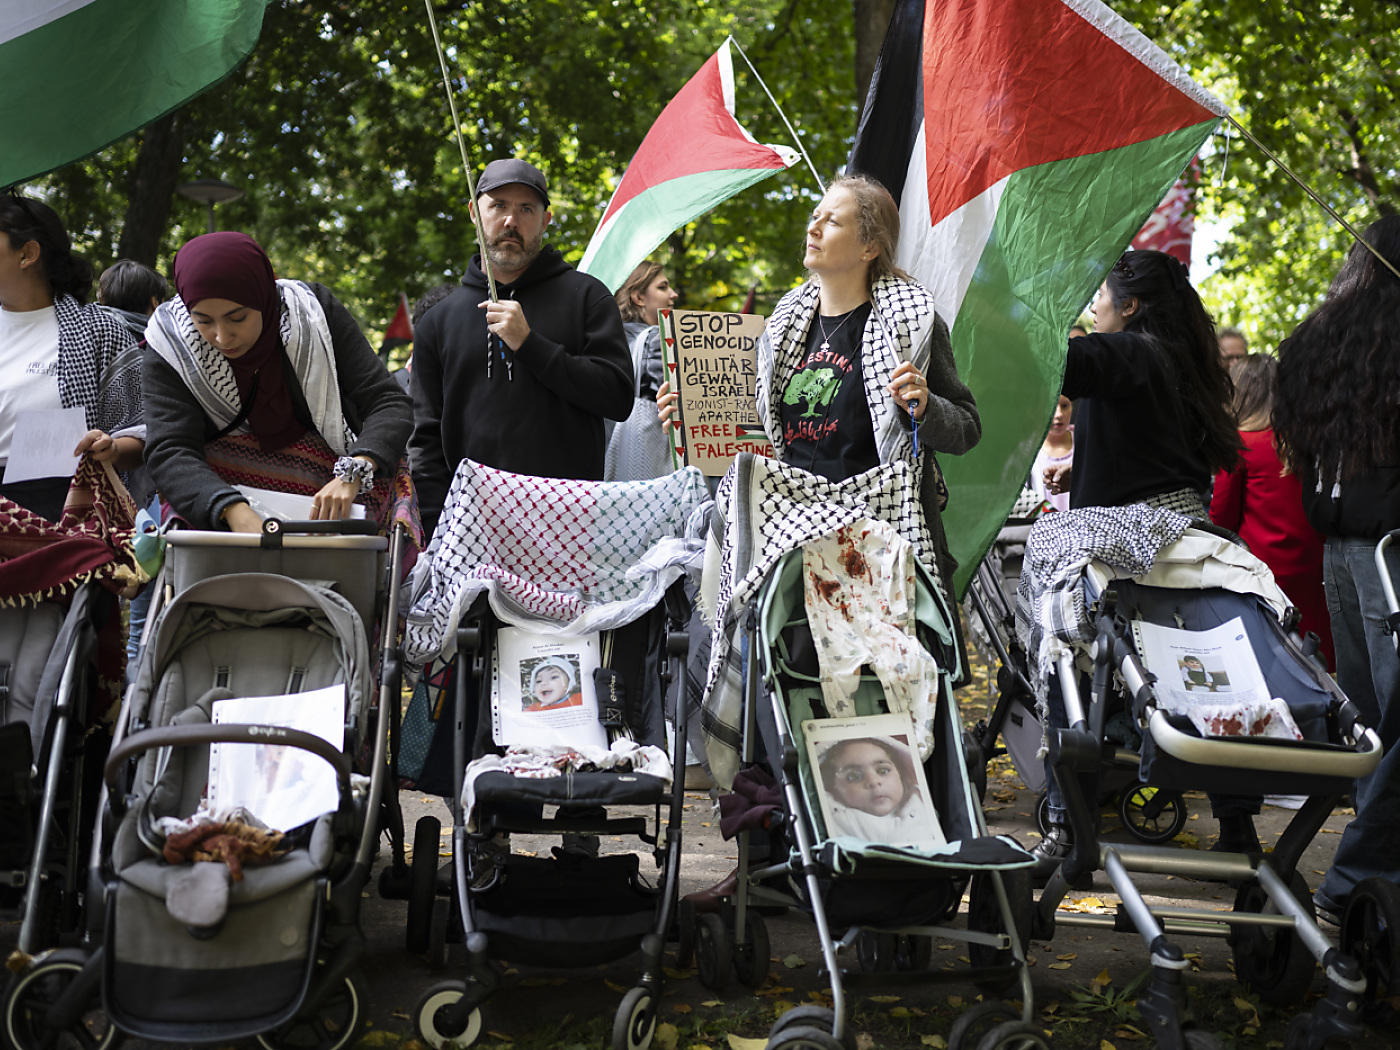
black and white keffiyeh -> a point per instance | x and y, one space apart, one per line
901 323
770 509
99 367
306 337
1052 605
554 555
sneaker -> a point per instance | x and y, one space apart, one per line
1327 908
486 860
1050 852
582 846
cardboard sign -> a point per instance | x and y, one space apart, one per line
711 359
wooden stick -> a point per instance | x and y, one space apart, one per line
462 145
1308 190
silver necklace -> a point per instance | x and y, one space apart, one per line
826 339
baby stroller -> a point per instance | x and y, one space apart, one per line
563 625
1013 727
192 952
60 665
1158 599
836 693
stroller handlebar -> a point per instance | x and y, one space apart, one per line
190 736
1253 755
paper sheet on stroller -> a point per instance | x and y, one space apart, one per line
287 506
870 782
282 786
43 443
1213 678
542 691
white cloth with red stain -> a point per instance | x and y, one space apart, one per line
858 588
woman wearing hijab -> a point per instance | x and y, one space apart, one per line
268 383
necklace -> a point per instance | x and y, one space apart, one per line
826 339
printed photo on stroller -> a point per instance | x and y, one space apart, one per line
869 781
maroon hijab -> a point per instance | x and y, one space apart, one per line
233 266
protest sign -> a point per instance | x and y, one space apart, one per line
711 360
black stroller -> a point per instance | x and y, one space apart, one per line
271 950
1207 600
521 674
1012 726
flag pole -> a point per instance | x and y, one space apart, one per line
801 148
462 145
1308 190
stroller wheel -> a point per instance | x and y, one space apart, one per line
1371 936
635 1023
437 933
433 1021
1152 814
810 1016
685 933
1272 961
805 1038
336 1025
28 1001
713 958
974 1023
1042 813
1015 1035
422 884
984 915
875 951
912 952
751 958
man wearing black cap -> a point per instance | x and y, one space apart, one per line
523 383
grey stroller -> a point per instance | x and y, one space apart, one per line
177 950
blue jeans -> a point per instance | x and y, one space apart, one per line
1368 670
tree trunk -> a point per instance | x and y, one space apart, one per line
152 185
872 19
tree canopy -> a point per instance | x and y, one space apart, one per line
338 130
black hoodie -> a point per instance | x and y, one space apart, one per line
544 414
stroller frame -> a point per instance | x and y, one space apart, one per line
68 715
888 955
450 1013
69 983
1142 811
1275 936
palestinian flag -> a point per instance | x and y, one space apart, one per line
400 330
1026 142
694 157
77 75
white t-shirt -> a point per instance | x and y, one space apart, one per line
28 367
1045 459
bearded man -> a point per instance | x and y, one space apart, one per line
522 383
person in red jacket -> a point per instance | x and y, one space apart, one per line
1263 502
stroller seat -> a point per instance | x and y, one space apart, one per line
585 788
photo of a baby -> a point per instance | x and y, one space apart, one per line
1195 675
553 684
872 790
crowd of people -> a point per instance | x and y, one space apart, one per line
243 379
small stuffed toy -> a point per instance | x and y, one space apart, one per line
232 841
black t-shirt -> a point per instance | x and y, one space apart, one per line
1134 434
824 413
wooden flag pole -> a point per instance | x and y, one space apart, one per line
462 145
1308 190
